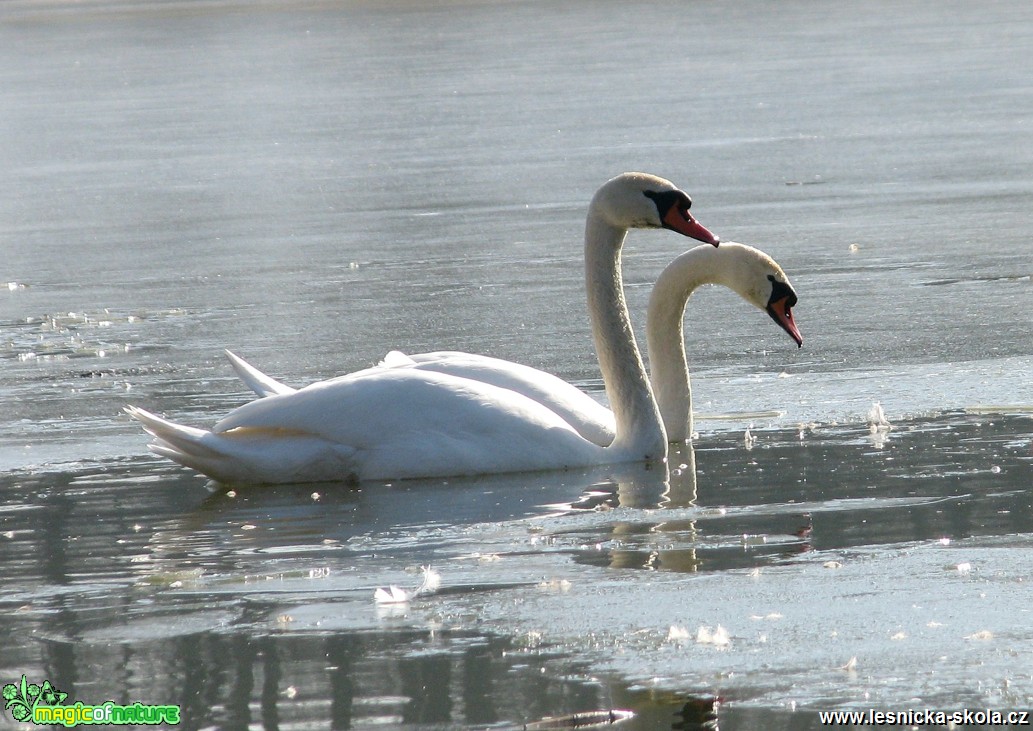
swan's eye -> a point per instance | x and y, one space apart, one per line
669 200
672 212
781 291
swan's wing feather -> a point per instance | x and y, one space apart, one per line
257 381
586 415
396 359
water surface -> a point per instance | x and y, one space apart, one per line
314 184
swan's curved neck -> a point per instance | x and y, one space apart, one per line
639 428
665 340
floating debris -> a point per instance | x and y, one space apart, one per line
816 180
586 719
561 586
877 421
771 615
699 713
396 595
677 634
718 636
980 636
878 425
804 428
391 595
431 581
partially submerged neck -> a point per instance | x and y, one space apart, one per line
639 428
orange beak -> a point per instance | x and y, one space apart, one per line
781 311
683 222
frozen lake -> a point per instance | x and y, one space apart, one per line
313 184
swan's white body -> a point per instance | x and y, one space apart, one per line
400 423
743 269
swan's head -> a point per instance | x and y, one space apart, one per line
760 281
640 200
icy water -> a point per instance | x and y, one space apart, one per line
314 184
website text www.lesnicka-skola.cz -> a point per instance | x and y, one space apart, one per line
872 717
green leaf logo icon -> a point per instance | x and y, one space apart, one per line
22 698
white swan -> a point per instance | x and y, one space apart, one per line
402 423
751 273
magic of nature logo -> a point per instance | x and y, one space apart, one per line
43 704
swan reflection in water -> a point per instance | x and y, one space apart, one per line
419 521
664 527
616 516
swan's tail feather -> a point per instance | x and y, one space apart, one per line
254 456
175 441
257 381
195 448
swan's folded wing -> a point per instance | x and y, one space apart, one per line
586 415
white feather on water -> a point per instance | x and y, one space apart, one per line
431 582
877 421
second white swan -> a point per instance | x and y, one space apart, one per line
749 272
